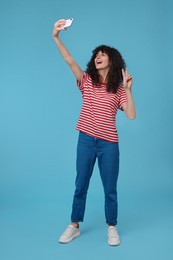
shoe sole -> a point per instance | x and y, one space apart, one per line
111 244
67 241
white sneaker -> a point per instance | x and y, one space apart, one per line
69 234
113 237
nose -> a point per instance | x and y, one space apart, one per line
98 55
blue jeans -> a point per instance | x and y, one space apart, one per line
107 153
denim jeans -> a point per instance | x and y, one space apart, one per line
107 154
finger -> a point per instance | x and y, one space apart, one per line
127 72
123 73
60 23
129 76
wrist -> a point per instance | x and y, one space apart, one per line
55 37
128 90
55 34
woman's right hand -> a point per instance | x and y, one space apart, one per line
57 27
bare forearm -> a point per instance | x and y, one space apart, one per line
130 108
75 68
63 50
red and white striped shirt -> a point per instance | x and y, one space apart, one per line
98 114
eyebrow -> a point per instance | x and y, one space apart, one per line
101 52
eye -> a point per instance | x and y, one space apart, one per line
104 54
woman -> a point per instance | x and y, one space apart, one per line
105 86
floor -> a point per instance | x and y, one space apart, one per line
31 223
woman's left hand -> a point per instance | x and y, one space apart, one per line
127 79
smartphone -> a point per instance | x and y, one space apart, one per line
68 23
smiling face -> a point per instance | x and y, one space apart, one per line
105 66
102 61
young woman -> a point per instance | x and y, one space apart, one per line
106 86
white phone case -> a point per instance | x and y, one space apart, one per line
68 23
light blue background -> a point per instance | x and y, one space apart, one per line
39 108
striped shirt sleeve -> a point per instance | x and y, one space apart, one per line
83 80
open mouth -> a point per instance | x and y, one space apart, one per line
99 62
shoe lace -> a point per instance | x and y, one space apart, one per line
68 231
113 232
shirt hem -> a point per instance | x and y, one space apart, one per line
95 136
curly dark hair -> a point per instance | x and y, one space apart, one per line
114 77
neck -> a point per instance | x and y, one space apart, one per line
103 74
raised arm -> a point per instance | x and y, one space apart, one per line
129 107
75 68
